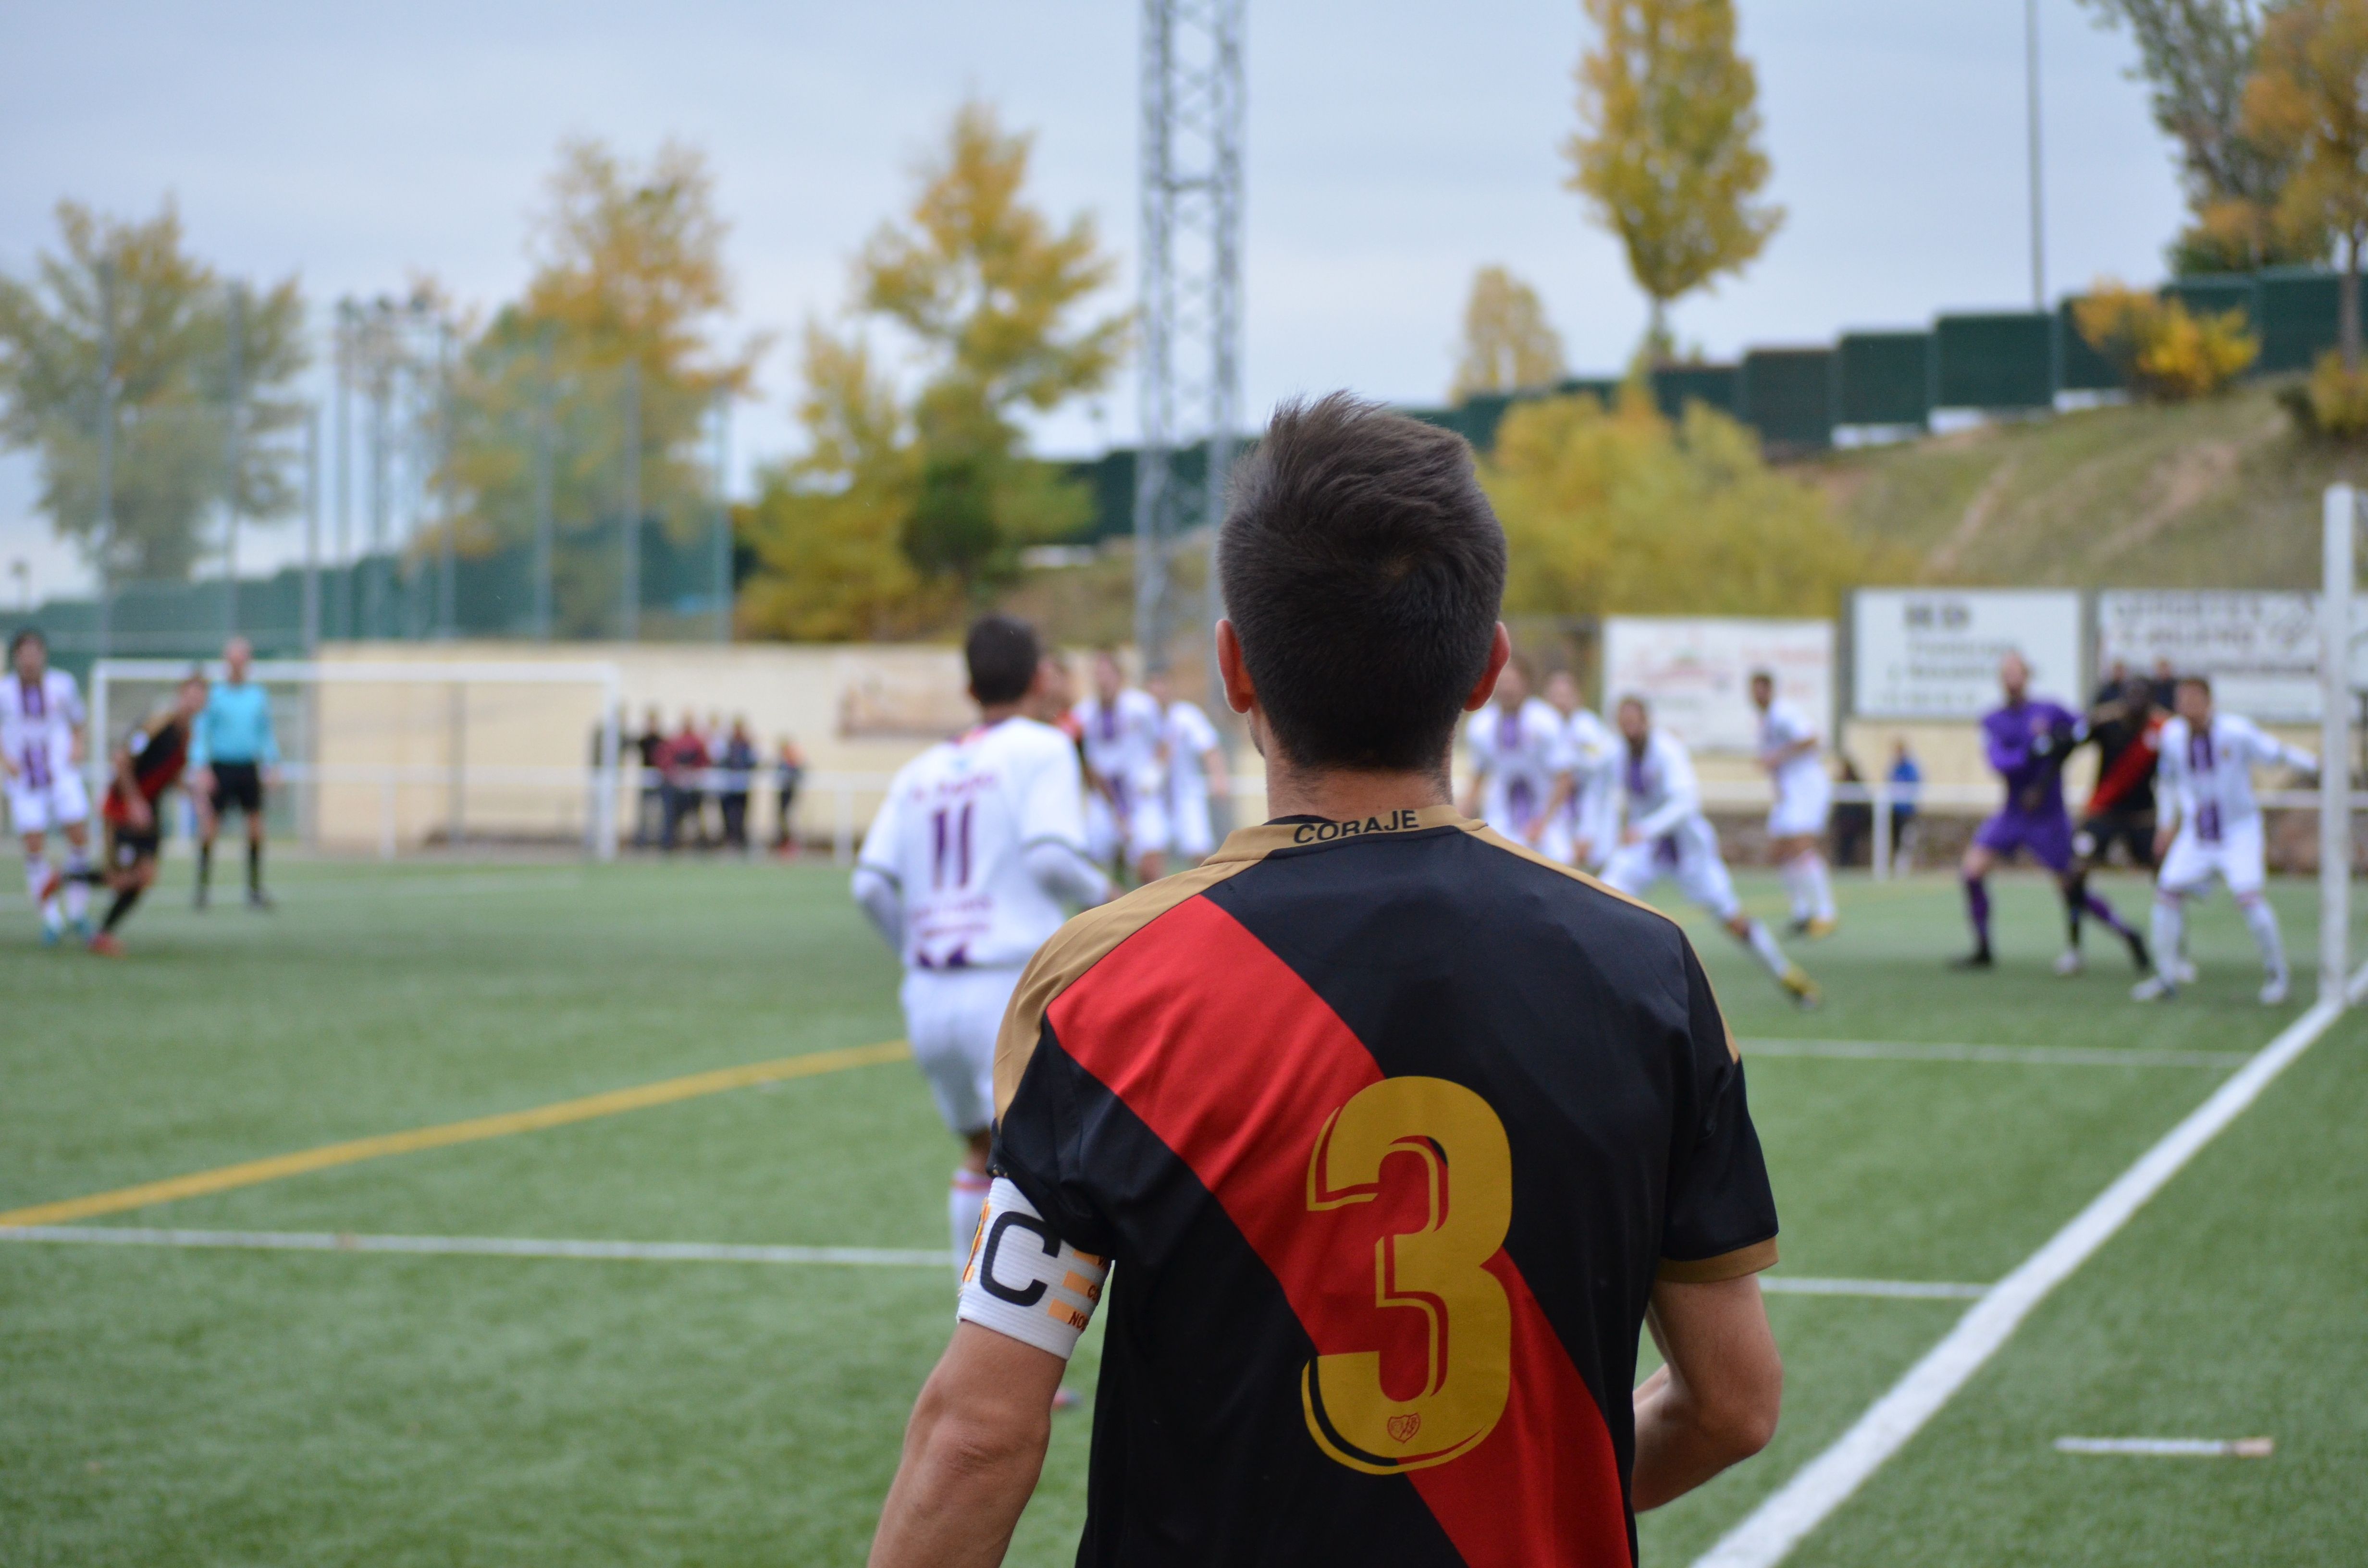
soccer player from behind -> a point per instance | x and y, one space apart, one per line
2027 740
1196 769
148 763
1789 751
1664 833
1595 795
1126 818
2212 828
42 731
2125 725
1524 771
1386 1134
234 759
974 858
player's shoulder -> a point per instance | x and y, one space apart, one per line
1031 740
2173 733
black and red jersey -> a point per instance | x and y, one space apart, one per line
160 751
1388 1128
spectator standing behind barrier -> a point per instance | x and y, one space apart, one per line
1852 820
649 817
738 772
789 772
681 762
1906 783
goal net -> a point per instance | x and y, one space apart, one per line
397 757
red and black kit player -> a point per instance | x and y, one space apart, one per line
149 762
2124 724
1384 1135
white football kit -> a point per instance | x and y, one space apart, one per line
2207 776
36 726
1661 799
1805 795
1122 747
1522 755
1189 737
962 840
1592 814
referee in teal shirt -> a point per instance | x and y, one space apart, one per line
233 755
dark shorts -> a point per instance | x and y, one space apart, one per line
2047 837
2134 831
238 784
127 846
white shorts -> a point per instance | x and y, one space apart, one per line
2236 860
61 802
953 1017
1700 875
1800 813
1145 830
1190 829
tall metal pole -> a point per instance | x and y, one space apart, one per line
543 456
106 391
1191 192
2038 206
233 454
721 545
343 555
628 618
376 367
448 552
2340 523
310 615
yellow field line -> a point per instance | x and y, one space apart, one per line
249 1172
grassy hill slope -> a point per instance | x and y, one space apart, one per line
2221 493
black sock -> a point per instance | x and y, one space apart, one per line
254 865
2075 903
205 866
124 899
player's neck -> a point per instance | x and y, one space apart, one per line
1338 794
990 715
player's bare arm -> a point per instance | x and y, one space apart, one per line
1714 1402
972 1452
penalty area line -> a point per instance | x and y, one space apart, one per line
250 1172
478 1246
1811 1496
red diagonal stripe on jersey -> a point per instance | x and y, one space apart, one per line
1235 1063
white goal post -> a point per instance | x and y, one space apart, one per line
411 755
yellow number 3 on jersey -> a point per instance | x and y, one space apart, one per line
1437 1270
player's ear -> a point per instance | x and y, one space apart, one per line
1241 692
1500 654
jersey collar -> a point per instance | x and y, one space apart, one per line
1300 833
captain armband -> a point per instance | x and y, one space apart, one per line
1022 1282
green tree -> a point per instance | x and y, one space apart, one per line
180 374
2196 57
1668 151
1616 510
1508 345
2308 101
617 328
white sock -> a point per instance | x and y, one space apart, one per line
77 894
2265 922
2169 928
37 877
1796 882
1814 877
1763 941
963 1203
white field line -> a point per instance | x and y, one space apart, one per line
493 1247
1918 1290
2171 1447
301 894
1771 1532
2006 1055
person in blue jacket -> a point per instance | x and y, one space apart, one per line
234 759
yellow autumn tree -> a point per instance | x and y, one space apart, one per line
1667 150
2306 100
1618 511
1508 345
2164 351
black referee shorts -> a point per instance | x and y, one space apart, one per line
238 784
2134 831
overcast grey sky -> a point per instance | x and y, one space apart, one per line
1394 146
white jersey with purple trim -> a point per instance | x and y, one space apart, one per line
953 833
1593 811
36 726
1188 737
1660 801
2206 775
1522 753
1124 740
1803 793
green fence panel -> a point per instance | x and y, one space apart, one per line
1604 390
1883 378
1674 386
2212 295
1788 397
2298 316
2003 359
2079 367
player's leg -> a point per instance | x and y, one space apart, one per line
952 1019
250 803
209 804
41 882
75 898
2242 867
1807 878
2071 874
1631 869
2187 871
1974 872
1702 877
131 858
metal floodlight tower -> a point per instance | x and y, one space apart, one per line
1191 281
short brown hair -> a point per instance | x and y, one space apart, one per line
1362 569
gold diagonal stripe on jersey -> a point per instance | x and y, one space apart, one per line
251 1172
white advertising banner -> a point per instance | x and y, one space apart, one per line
2260 649
1696 672
1934 653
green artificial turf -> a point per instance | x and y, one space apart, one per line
242 1407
